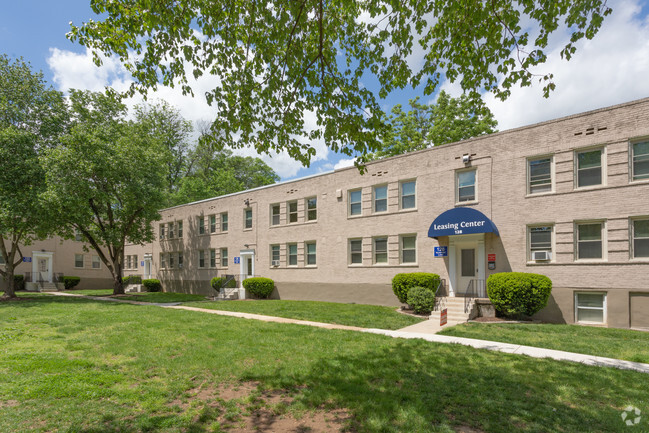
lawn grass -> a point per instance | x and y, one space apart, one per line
72 364
609 342
153 297
364 316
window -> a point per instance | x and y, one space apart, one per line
380 250
380 198
356 251
201 258
640 229
78 260
292 254
248 219
163 261
355 202
540 239
589 168
212 223
162 231
135 262
409 249
78 236
201 225
274 255
274 215
292 211
180 260
224 222
311 209
589 241
171 260
224 257
590 307
640 160
128 264
408 198
212 258
465 186
310 253
539 175
170 230
96 262
180 229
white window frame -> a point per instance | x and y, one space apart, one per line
83 261
402 195
351 203
275 248
274 215
401 249
212 258
375 200
309 210
632 237
180 259
602 166
603 240
632 158
94 262
170 230
170 260
352 252
246 219
290 213
224 257
162 231
536 158
224 221
289 255
201 258
604 308
375 251
457 185
163 261
135 261
530 251
306 253
179 227
201 225
212 219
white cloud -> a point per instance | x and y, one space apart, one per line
610 69
344 163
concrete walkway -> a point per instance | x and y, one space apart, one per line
423 330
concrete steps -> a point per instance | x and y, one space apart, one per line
48 287
455 310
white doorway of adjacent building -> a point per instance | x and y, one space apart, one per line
147 266
42 266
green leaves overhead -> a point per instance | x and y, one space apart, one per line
277 62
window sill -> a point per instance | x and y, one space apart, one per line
589 188
539 194
638 181
466 203
247 230
410 209
590 261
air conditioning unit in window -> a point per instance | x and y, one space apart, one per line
274 263
541 255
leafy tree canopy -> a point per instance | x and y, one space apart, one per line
32 116
107 179
276 61
446 121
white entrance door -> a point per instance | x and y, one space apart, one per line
466 255
42 266
467 265
247 264
147 267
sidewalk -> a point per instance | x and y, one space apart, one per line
423 330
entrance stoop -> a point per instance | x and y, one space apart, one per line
460 310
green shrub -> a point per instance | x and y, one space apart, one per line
518 293
421 299
19 282
132 279
70 282
217 282
152 285
260 287
402 283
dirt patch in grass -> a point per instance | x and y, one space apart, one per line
245 408
8 403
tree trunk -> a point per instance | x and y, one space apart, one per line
118 285
10 291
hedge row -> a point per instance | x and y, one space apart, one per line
258 286
152 285
402 283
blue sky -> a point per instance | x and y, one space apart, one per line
612 68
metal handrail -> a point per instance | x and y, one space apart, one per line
475 289
440 295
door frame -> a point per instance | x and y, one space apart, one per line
49 256
455 244
243 264
148 262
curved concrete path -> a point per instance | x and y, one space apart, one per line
424 330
